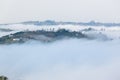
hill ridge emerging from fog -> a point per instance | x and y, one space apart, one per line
50 31
40 35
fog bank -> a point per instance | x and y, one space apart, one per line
72 59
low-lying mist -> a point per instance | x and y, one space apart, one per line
73 59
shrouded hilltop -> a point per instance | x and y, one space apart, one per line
40 35
50 31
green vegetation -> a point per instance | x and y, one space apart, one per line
40 35
3 78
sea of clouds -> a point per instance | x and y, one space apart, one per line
73 59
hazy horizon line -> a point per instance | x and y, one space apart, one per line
47 20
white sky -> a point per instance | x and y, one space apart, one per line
60 10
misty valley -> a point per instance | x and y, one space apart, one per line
59 52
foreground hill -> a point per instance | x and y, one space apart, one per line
40 35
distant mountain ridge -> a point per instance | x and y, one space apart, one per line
52 22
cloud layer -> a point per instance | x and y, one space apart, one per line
63 60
